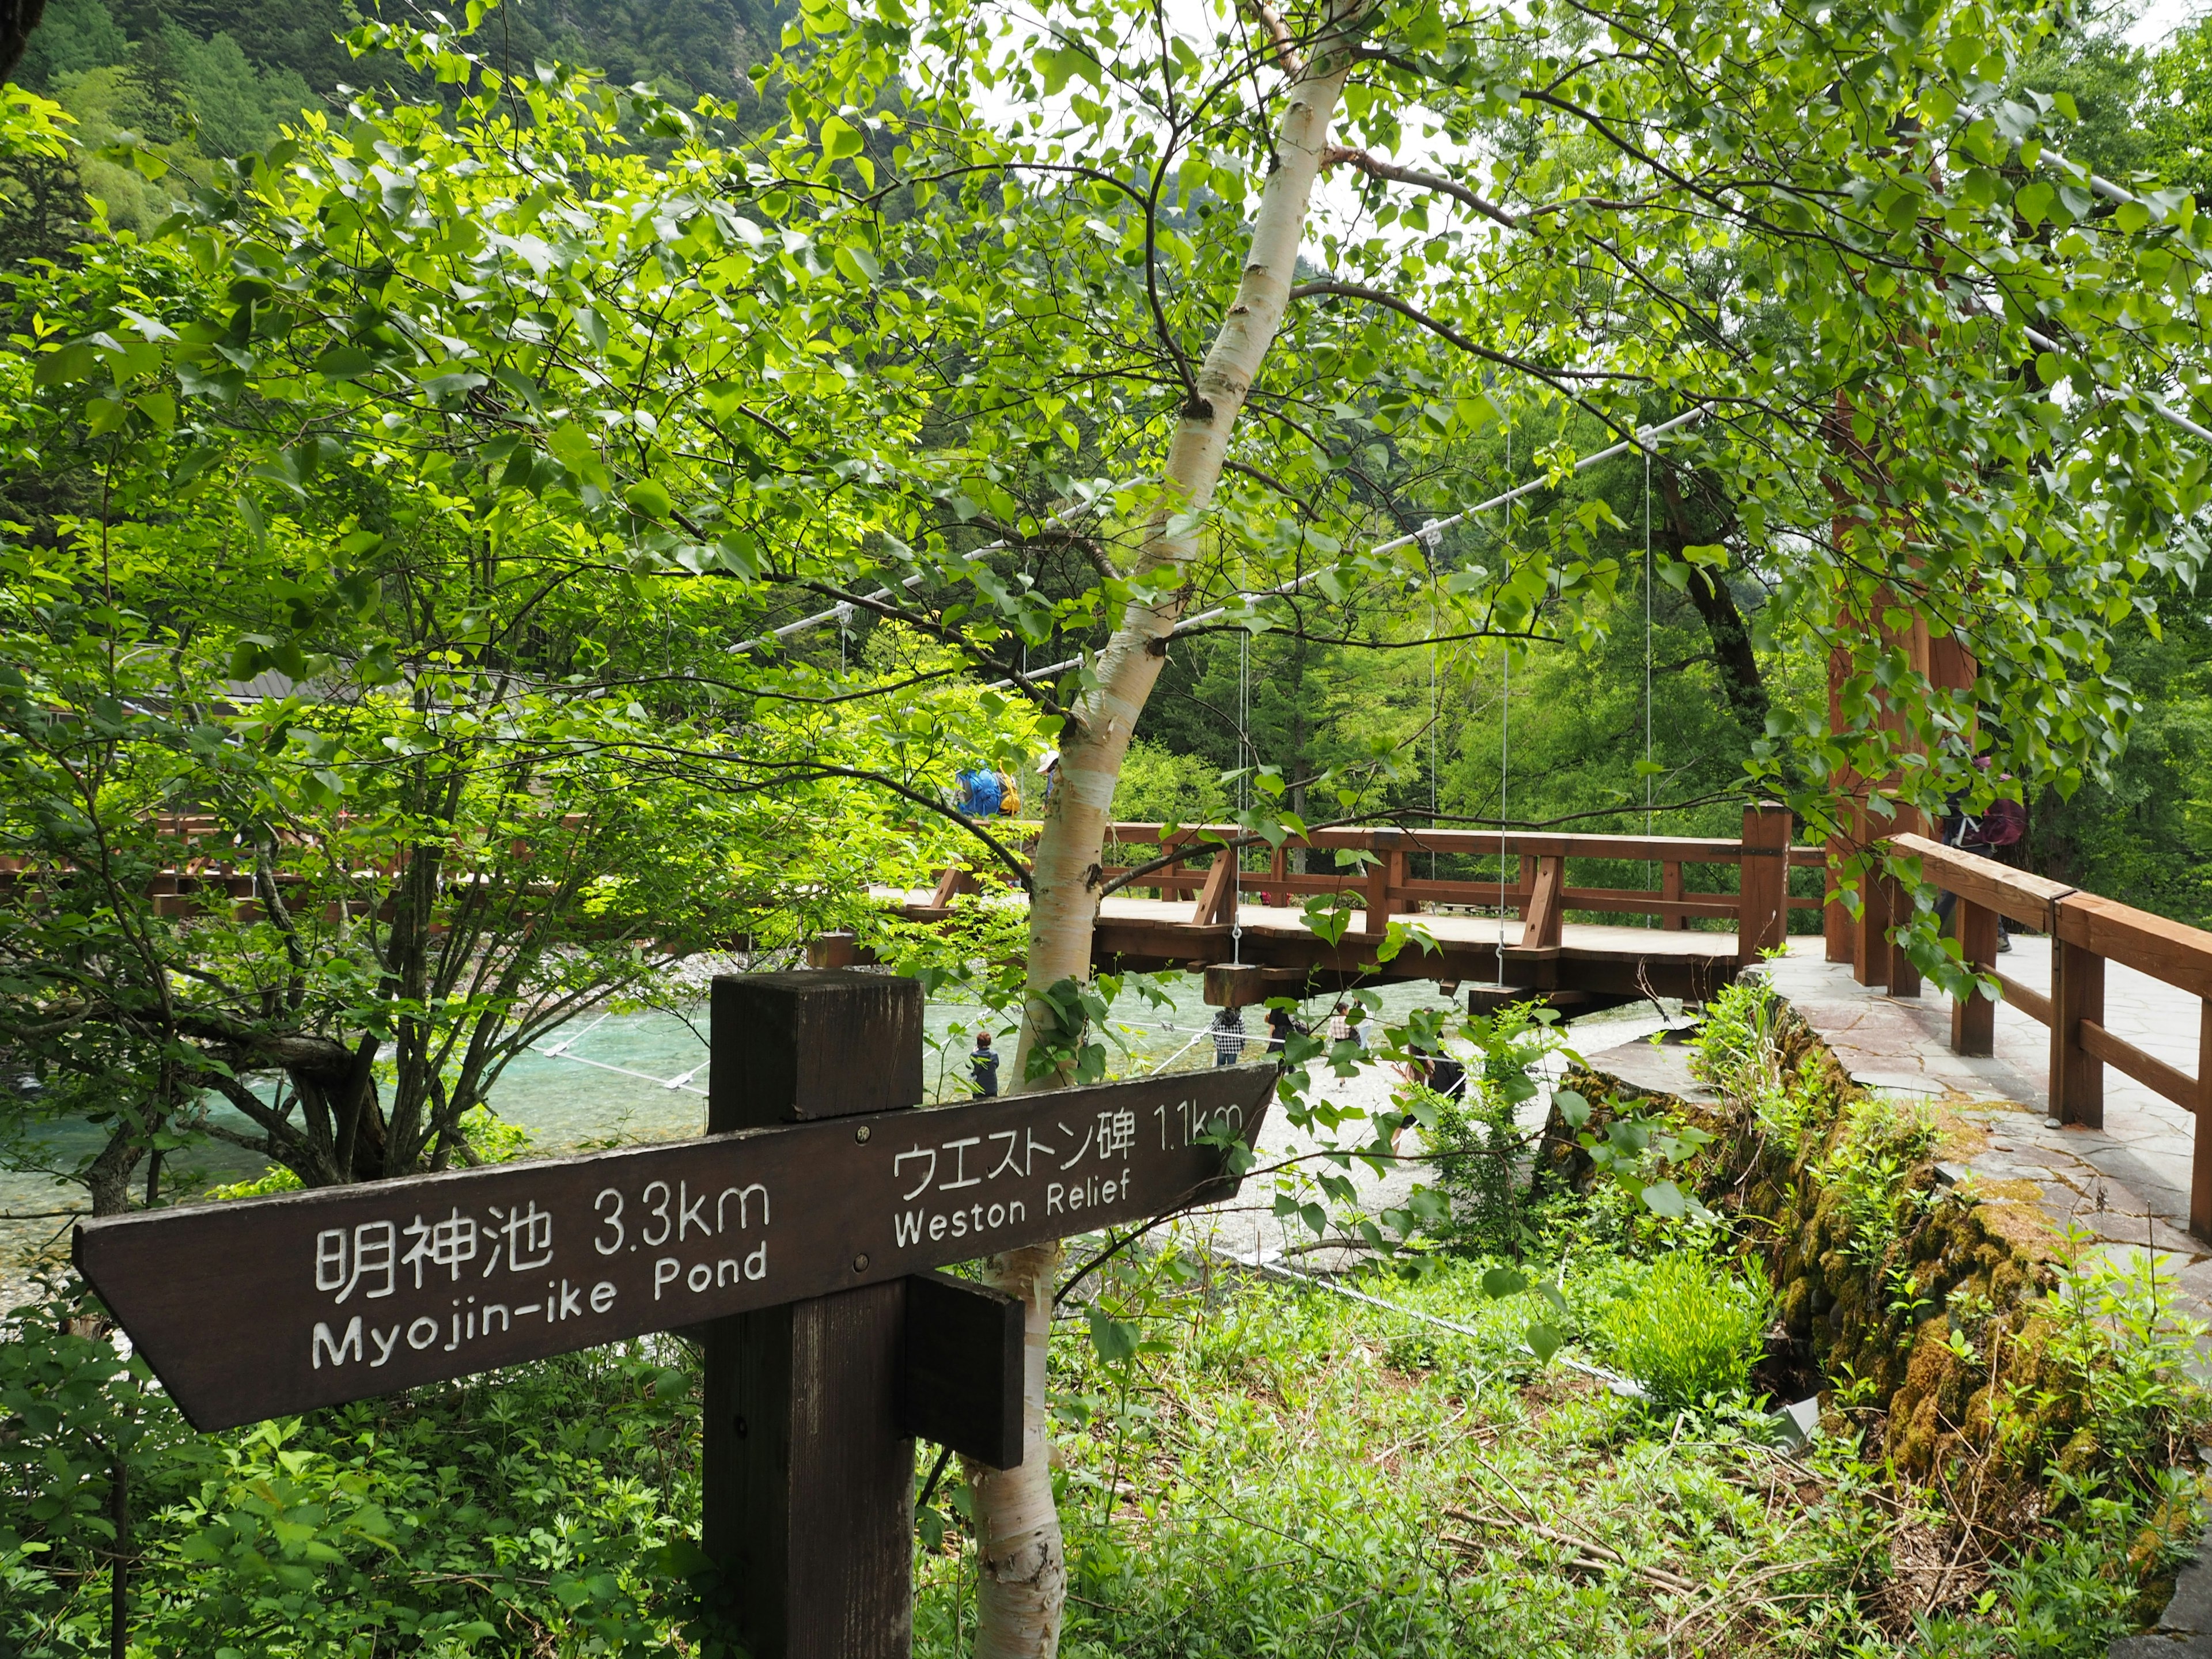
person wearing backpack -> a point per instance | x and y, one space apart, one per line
979 794
2000 827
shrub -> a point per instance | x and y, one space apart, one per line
1873 1173
1477 1148
1692 1329
1475 1142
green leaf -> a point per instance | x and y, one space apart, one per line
840 139
572 445
1501 1282
857 265
344 362
647 498
71 362
1665 1198
738 553
1573 1108
1544 1341
1057 63
1115 1339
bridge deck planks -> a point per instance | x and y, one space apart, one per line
1607 962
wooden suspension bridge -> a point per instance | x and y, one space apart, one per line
2104 1024
1503 938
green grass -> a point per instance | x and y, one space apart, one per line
1293 1473
1277 1471
1691 1329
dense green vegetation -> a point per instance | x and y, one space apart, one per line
493 514
1245 1465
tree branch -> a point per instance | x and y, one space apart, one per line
1436 325
1287 51
1375 167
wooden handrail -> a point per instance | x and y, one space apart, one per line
2087 931
1539 893
1488 843
2170 950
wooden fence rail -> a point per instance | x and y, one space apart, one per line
2085 932
1207 907
1539 894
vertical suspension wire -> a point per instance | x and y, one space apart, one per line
1431 541
1245 756
1651 870
1504 718
1436 713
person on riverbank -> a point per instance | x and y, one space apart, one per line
983 1066
1228 1036
1341 1028
1994 833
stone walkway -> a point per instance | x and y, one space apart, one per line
2127 1183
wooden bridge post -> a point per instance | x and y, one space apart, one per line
1546 923
2200 1151
1974 1016
1836 927
1387 872
2077 993
1903 977
954 880
1762 919
1869 957
1216 899
1670 892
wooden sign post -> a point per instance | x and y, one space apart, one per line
797 1239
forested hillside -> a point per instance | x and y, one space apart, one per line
261 53
205 80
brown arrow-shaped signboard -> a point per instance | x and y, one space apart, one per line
256 1309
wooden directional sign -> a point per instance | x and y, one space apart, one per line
254 1310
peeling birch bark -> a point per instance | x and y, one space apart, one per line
1064 897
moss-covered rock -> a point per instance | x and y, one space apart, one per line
1920 1303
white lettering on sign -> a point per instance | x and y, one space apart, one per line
745 1197
344 1259
948 1159
912 1226
1095 1154
337 1347
1117 1132
1088 1195
447 1244
1181 1126
704 1275
525 1235
367 1258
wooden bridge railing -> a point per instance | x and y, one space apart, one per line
2085 932
216 861
1539 893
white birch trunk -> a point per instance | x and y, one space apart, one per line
1021 1570
1022 1579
